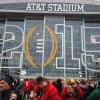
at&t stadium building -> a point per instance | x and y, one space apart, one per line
50 38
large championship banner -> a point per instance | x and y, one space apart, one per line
51 45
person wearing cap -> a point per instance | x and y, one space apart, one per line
6 87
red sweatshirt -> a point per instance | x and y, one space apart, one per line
50 93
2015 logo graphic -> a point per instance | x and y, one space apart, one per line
52 52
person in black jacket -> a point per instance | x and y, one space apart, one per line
6 86
58 85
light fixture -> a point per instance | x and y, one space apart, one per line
93 39
98 57
37 34
89 63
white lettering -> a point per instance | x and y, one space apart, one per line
49 7
59 7
38 6
65 7
69 7
33 6
55 7
80 8
43 6
28 6
73 7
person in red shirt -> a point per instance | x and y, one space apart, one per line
48 91
27 86
73 92
35 87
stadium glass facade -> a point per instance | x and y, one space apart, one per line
62 42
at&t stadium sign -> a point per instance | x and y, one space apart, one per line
54 7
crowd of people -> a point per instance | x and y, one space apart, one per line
46 89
